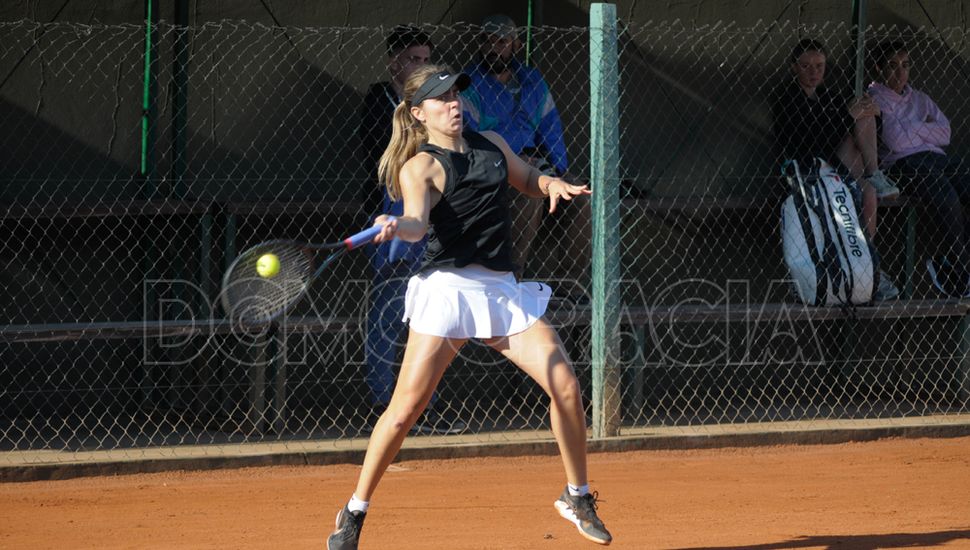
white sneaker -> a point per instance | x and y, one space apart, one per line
886 289
884 186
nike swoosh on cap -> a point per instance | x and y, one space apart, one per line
444 77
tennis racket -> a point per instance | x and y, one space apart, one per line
265 281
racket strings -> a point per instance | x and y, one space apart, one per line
251 298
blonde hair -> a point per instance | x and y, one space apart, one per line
407 134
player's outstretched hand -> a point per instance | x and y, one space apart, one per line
559 189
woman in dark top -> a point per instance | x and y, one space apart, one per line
453 184
811 120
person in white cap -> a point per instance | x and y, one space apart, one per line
454 185
514 100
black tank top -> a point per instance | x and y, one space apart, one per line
471 224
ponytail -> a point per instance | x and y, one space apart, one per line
407 135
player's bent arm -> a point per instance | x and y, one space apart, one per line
524 177
422 179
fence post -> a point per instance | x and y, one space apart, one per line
147 168
605 177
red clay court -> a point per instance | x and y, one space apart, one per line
891 493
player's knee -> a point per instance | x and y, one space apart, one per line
403 416
567 390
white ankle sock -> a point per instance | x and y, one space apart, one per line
578 491
357 505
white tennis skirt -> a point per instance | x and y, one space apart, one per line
473 302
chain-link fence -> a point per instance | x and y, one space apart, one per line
136 164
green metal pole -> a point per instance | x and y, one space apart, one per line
534 19
605 176
859 28
528 35
147 172
147 106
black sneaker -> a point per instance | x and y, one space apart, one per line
347 534
439 419
947 278
582 512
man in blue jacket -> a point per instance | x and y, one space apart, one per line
514 101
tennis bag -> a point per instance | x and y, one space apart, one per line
828 256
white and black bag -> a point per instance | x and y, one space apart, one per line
825 247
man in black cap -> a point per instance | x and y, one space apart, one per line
408 48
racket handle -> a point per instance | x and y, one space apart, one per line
395 253
363 237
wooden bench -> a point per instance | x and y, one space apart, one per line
767 312
558 314
638 315
263 412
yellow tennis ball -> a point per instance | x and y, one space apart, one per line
268 265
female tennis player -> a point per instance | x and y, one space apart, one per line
453 184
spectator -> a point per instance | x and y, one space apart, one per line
514 101
812 120
407 49
914 133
